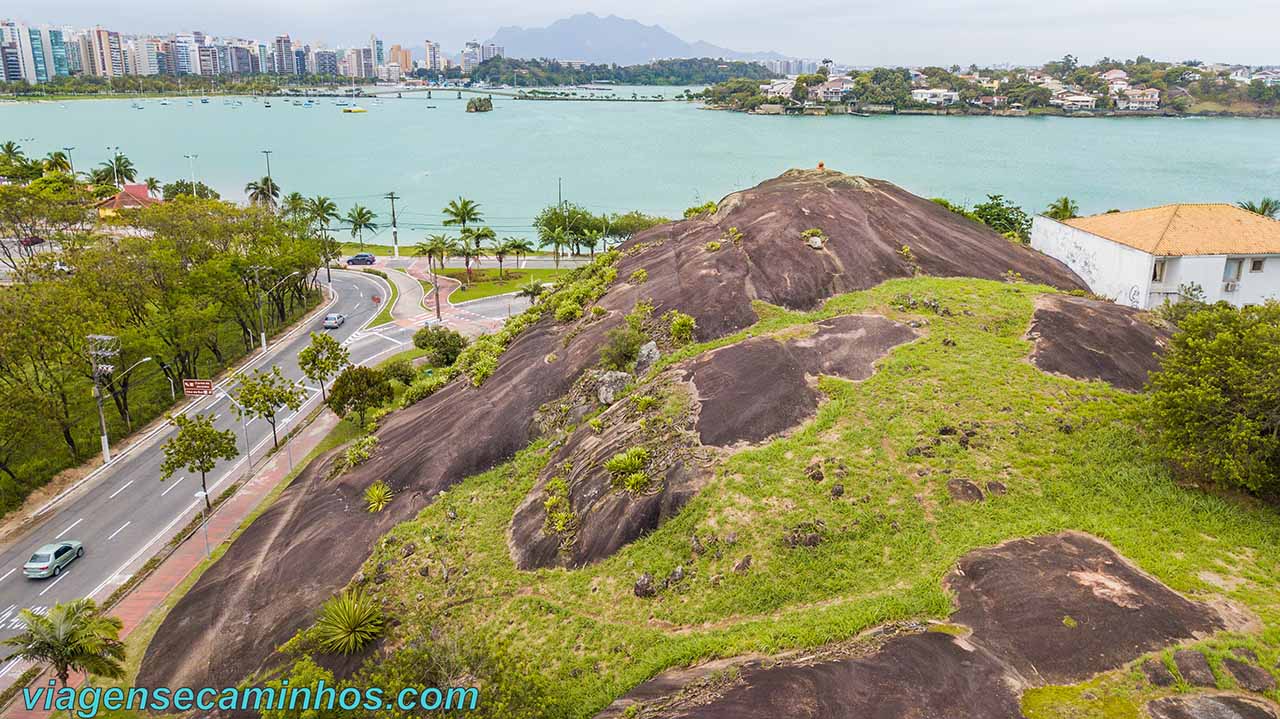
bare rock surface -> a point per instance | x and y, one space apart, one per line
313 540
1217 706
1194 668
1015 597
1092 339
1248 676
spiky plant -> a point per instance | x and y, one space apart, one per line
377 496
348 622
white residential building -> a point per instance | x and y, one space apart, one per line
1143 257
935 96
434 59
1074 101
1147 99
778 88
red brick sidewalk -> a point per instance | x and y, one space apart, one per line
151 593
467 322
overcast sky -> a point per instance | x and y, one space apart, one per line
861 32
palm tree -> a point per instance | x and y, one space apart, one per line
591 238
102 175
294 205
57 161
263 192
557 239
1063 208
361 219
1267 207
462 211
469 251
500 251
532 290
520 247
71 637
11 150
121 169
153 186
322 211
436 249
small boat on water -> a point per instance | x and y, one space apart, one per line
354 108
164 102
267 103
204 101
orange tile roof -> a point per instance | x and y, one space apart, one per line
1188 229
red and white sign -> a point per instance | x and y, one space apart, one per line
197 387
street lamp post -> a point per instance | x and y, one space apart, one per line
115 163
262 325
103 348
192 160
243 426
70 161
267 154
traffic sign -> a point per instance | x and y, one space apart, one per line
197 387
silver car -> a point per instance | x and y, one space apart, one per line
51 559
333 320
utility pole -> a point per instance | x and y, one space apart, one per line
395 233
70 161
257 300
103 350
267 153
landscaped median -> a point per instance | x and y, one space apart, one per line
485 282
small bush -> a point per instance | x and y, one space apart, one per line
598 311
400 370
645 402
733 235
705 209
627 469
639 276
421 389
713 246
377 496
560 517
348 622
621 347
360 452
596 424
443 345
568 312
813 232
681 326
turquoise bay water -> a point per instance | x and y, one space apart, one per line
657 157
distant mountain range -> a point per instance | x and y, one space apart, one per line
611 39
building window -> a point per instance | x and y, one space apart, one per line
1157 271
1256 264
1231 272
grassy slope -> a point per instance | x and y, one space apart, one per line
594 640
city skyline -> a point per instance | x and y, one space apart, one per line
917 32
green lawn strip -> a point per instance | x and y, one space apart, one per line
883 558
43 455
384 315
485 282
351 248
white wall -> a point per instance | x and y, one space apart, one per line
1110 269
1206 271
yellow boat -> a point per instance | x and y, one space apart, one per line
354 109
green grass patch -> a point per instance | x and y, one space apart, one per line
388 303
485 282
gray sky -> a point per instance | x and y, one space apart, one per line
861 32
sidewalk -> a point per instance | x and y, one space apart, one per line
152 592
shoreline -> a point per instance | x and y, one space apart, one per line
1084 115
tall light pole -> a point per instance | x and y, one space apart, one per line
395 233
115 163
243 426
192 160
204 520
103 349
70 161
267 154
262 325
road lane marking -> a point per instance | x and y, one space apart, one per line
54 583
6 574
122 488
113 534
68 529
173 485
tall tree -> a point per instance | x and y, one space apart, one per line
359 389
500 251
121 169
71 637
1267 207
322 359
294 205
153 187
264 192
462 212
361 218
197 447
263 394
12 151
557 239
57 161
1063 208
437 248
520 247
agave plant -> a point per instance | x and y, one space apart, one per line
377 496
348 622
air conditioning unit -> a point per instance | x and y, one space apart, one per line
1230 286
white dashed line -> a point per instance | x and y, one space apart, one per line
68 529
6 574
123 487
54 583
170 489
121 529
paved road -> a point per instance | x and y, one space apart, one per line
125 513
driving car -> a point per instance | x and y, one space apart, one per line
334 320
360 258
51 559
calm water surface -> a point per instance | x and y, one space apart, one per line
657 157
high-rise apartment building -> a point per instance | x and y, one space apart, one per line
326 62
434 60
375 50
490 51
400 56
283 51
470 56
106 56
39 54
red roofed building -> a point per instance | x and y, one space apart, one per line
132 197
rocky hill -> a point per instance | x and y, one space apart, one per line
843 393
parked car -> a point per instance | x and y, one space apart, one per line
51 559
333 320
360 258
31 241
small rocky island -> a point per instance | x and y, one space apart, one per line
480 104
